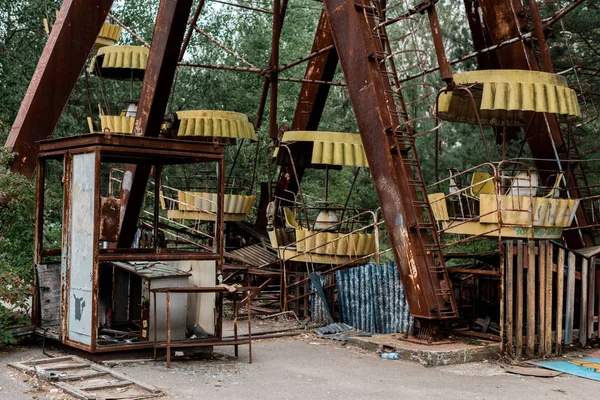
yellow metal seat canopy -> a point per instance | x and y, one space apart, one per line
503 97
328 148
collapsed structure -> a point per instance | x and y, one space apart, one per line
522 226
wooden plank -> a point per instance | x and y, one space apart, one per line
583 302
591 298
548 291
106 385
118 375
541 267
560 277
519 319
48 278
73 391
570 300
531 299
509 297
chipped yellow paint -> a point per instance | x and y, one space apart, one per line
519 210
550 216
506 95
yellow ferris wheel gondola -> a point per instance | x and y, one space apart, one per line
323 242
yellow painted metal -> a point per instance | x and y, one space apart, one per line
202 216
290 220
121 62
503 96
332 243
117 124
202 206
343 251
491 230
294 255
481 184
550 216
109 35
332 148
438 206
518 210
211 123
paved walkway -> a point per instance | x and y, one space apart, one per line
305 368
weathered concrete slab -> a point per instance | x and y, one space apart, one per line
429 355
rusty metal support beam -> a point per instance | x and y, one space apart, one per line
368 86
320 70
71 40
267 83
503 20
158 79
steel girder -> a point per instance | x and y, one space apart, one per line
65 54
367 85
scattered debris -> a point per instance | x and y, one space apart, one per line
587 367
339 331
389 356
531 371
86 380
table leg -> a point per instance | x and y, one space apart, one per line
249 328
168 329
235 323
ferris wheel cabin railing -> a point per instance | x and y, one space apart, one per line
506 199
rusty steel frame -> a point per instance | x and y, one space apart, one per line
74 33
367 87
494 26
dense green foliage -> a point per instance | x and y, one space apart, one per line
22 38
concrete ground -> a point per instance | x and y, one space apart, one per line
304 367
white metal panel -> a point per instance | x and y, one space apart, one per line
81 248
201 307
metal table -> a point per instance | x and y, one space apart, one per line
205 342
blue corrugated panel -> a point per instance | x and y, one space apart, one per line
371 298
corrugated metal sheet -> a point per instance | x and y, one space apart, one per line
371 298
318 310
255 255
